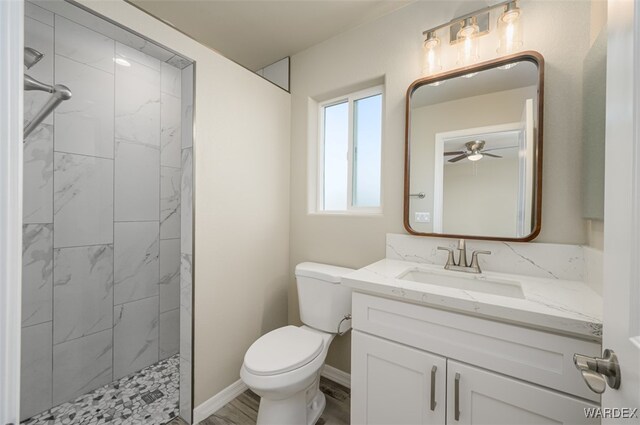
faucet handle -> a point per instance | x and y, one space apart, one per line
478 252
450 259
474 259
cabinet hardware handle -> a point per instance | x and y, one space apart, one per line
433 387
457 397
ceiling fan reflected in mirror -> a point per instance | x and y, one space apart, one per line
474 152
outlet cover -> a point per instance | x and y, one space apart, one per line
423 217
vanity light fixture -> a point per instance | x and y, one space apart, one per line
431 64
465 32
510 29
468 43
509 32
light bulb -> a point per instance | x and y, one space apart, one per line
510 29
468 42
431 55
475 156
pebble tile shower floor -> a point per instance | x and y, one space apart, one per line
130 400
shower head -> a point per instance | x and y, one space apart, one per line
31 57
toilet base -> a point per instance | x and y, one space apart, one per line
315 408
302 408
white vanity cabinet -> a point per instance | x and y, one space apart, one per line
507 374
395 384
485 397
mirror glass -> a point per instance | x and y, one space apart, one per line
473 144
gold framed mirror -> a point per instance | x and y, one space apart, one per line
473 151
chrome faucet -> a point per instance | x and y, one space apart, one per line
461 265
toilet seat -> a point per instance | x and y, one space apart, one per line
282 350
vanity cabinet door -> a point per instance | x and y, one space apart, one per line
484 398
395 384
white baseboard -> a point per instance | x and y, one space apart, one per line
336 375
211 406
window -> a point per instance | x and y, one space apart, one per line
349 153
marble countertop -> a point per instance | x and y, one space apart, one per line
556 305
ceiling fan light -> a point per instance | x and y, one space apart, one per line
475 156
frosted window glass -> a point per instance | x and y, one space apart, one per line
336 165
367 140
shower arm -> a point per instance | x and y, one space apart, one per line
59 93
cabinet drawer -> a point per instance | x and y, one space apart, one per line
535 356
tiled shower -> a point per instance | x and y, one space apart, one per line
107 215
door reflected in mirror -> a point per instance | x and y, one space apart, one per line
473 150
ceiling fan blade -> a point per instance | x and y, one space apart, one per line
491 155
458 158
454 153
500 148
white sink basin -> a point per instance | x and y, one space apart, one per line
474 283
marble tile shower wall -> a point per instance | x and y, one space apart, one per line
186 247
102 186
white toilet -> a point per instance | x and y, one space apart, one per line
283 367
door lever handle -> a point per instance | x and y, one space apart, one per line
597 372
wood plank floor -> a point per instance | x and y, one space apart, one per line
243 410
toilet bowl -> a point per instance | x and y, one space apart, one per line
283 366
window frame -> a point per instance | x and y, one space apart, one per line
350 99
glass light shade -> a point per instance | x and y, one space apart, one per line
431 55
510 30
476 156
468 43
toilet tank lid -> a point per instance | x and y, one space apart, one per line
325 272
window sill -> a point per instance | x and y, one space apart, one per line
370 214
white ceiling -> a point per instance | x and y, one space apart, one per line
257 33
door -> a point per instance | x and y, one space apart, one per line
454 140
526 170
621 287
11 46
395 384
476 396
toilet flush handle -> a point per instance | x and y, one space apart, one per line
346 317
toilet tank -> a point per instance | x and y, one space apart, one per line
323 300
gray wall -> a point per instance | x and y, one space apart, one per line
102 177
